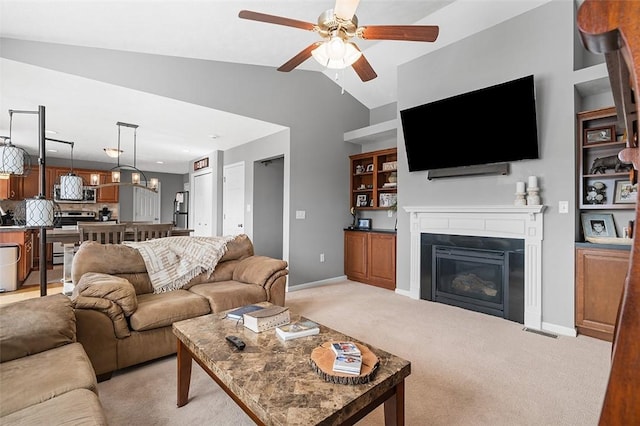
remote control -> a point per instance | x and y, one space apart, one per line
236 341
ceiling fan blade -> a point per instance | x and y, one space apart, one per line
345 9
363 68
401 32
272 19
299 58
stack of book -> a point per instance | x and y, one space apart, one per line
300 328
237 314
266 319
348 358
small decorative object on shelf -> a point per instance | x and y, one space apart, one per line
600 165
596 193
533 199
520 200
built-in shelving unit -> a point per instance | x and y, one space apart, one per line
375 133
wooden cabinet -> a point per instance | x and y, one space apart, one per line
600 277
373 179
35 265
25 252
107 194
11 188
370 257
601 174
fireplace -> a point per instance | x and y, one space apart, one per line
524 223
478 273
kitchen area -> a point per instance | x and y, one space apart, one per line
19 246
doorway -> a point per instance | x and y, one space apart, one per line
268 207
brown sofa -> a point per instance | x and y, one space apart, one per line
121 322
45 375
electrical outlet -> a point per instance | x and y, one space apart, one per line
389 213
563 207
321 257
301 214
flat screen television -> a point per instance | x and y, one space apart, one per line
495 124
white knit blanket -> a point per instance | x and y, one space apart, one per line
173 261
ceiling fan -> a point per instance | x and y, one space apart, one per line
337 27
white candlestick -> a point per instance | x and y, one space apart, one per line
520 186
533 182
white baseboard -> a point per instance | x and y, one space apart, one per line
559 329
316 283
402 292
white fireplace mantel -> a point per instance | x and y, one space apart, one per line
508 221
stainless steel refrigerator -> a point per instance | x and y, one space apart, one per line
181 210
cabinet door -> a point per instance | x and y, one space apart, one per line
355 255
11 189
382 260
31 183
600 276
107 194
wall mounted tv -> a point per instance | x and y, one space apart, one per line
495 124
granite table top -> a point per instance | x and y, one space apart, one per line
275 380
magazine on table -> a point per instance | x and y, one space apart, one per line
350 364
345 348
300 328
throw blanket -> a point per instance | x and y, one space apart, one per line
173 261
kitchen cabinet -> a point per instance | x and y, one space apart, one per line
107 194
11 188
35 264
370 257
22 237
599 279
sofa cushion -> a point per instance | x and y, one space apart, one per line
78 407
33 379
257 269
107 258
225 295
44 323
162 309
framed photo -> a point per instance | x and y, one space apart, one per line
600 135
364 223
387 199
598 225
362 201
626 193
370 167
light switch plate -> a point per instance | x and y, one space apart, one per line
301 214
563 207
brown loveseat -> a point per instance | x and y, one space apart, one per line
45 375
122 322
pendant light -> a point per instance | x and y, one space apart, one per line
13 160
137 175
70 184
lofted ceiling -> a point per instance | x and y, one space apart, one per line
208 30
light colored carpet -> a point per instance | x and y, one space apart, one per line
467 368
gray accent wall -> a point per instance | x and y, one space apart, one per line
312 106
539 42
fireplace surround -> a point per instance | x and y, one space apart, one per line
508 221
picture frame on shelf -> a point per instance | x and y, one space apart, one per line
370 167
388 199
625 192
598 225
599 135
364 223
362 200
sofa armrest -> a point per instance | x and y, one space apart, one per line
258 269
114 296
31 326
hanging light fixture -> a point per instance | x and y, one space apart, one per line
137 175
70 184
336 53
13 160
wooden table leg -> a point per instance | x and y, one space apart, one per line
184 373
394 407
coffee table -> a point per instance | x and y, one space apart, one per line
273 381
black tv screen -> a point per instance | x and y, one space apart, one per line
491 125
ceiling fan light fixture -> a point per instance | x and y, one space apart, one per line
351 54
113 152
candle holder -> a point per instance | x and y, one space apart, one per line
520 200
533 199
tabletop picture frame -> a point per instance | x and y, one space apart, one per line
364 223
362 200
598 225
599 135
625 192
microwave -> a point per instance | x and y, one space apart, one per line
88 195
